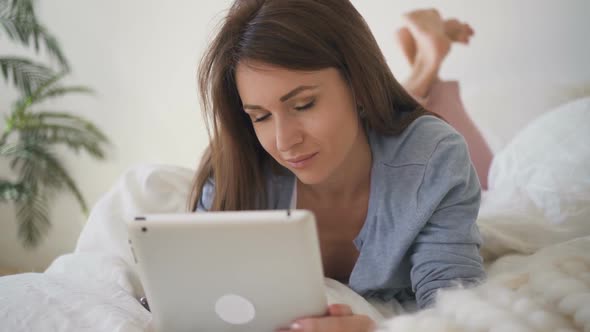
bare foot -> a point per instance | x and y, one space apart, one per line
457 31
454 30
428 30
407 44
426 42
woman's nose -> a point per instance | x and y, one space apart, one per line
288 133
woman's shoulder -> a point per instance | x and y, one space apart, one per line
416 144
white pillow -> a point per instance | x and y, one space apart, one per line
549 161
504 107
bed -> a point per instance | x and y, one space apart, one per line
535 220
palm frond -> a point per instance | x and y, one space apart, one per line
35 169
10 28
75 121
74 138
26 75
51 46
20 24
32 122
22 105
36 164
48 90
32 170
33 218
54 168
56 77
4 6
17 28
60 91
10 191
19 8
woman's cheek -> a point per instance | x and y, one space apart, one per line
266 137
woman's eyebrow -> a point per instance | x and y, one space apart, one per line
286 97
297 90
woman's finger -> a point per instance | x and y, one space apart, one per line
354 323
339 310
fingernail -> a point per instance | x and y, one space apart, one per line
296 327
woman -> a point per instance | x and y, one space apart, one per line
304 113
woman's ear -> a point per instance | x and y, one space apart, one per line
361 111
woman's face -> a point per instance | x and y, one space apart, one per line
307 121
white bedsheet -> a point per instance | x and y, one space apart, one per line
96 289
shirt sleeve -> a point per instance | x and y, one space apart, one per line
446 250
206 199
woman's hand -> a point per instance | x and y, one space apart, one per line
339 319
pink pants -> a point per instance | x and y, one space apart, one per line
444 99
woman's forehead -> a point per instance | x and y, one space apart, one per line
255 68
256 78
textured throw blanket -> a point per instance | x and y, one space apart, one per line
539 272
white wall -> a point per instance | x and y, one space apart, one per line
141 56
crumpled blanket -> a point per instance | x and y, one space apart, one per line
96 288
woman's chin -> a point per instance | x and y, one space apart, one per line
309 177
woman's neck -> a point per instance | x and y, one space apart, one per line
351 179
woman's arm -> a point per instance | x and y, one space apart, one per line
446 251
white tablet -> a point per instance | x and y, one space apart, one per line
229 271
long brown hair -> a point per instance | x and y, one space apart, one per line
294 34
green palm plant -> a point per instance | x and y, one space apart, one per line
32 133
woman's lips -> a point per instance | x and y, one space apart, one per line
301 162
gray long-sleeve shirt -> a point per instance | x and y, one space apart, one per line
420 233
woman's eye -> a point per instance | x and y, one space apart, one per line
262 118
297 108
306 106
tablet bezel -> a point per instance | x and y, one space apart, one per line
243 241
